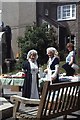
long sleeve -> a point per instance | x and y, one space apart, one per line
26 66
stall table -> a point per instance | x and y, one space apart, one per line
14 83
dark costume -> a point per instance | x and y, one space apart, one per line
54 61
26 91
69 70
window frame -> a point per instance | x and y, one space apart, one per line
68 11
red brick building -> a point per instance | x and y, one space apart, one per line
64 17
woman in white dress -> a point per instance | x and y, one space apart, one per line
30 67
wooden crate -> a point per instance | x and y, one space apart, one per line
15 88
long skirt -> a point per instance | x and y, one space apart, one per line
69 70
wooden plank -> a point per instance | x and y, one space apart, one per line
6 109
56 100
4 104
24 100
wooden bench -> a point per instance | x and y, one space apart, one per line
59 99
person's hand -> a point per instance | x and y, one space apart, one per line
52 78
46 71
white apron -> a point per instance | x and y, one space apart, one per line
34 88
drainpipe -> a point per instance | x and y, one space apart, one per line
58 35
1 40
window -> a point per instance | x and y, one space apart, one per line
66 12
48 25
46 12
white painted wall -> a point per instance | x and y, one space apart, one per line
17 15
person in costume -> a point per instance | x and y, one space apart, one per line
52 65
31 68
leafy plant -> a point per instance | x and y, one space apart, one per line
38 38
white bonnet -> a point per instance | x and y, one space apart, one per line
52 49
31 52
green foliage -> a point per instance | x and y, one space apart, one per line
38 38
62 55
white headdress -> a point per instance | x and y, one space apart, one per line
52 49
31 52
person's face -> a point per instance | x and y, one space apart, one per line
50 54
33 57
69 48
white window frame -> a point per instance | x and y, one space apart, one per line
68 11
46 12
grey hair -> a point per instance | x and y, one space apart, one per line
52 49
31 52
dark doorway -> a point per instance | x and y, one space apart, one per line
62 38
